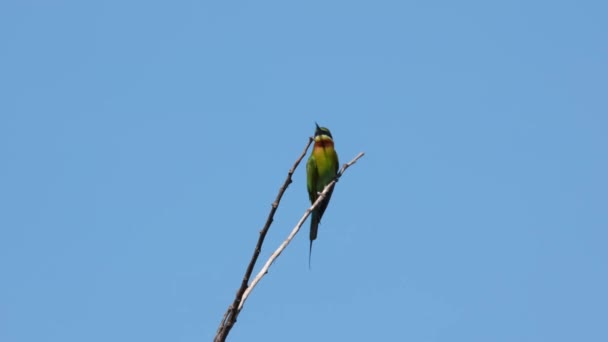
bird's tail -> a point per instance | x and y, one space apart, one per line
314 227
309 254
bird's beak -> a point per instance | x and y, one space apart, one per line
316 124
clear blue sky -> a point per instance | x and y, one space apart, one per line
141 144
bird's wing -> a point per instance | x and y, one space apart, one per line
312 179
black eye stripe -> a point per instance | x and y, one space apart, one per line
323 131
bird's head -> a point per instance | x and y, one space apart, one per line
322 133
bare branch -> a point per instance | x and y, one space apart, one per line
347 165
295 230
232 312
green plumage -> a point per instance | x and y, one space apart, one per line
321 168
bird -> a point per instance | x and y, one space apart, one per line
321 169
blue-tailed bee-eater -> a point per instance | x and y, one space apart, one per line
321 169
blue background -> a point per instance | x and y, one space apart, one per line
142 143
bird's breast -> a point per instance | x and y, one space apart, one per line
326 159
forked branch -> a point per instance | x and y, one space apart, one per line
244 290
295 230
234 308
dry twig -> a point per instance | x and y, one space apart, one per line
232 312
243 292
295 230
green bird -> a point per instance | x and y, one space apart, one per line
321 169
